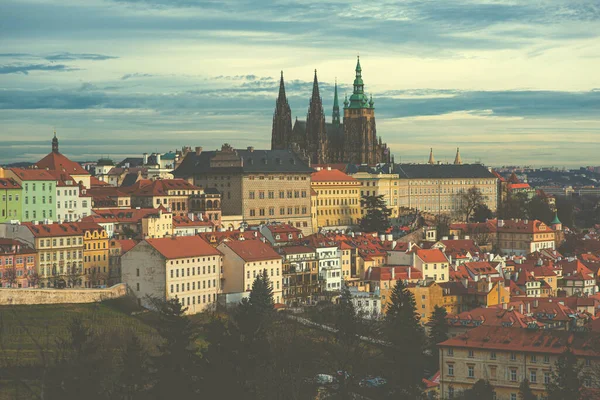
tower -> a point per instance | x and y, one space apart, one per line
55 143
360 134
457 159
431 159
316 133
282 120
335 116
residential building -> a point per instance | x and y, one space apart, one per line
104 197
129 223
116 249
506 356
259 185
432 263
428 295
182 267
11 207
96 255
191 225
18 267
243 260
338 198
379 181
521 237
279 234
39 192
577 279
175 195
367 305
301 285
157 225
72 201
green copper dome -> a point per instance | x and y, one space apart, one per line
358 99
556 220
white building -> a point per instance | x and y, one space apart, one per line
366 304
191 225
72 204
330 268
184 267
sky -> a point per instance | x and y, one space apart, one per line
513 82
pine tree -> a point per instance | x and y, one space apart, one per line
438 333
377 215
566 382
132 382
525 392
176 366
481 390
402 329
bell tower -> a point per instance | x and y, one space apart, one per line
55 143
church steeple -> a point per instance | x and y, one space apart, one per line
457 159
316 134
282 120
358 99
431 159
55 143
335 118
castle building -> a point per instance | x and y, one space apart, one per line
353 140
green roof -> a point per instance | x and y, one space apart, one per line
359 99
556 220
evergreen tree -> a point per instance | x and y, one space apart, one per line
566 382
405 359
481 390
525 392
538 208
132 383
80 366
377 214
481 213
438 332
176 367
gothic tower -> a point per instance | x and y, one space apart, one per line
335 116
55 143
316 133
282 120
360 134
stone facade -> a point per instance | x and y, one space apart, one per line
60 296
354 140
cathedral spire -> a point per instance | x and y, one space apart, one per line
316 133
431 159
55 143
457 159
282 120
315 90
335 119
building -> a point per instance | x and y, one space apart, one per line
72 201
380 181
136 223
104 197
428 295
184 267
506 356
175 195
116 249
337 198
157 225
521 237
367 305
352 140
432 263
243 260
191 225
59 250
301 285
280 235
96 255
260 185
17 265
11 208
60 164
39 192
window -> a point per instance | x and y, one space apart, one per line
513 356
450 392
493 355
471 354
137 285
546 377
450 369
533 358
451 352
513 396
513 374
533 376
471 371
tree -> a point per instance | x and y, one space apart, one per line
481 213
9 275
132 383
438 332
176 367
513 206
377 215
80 365
33 278
405 358
538 208
566 382
481 390
525 392
468 201
442 225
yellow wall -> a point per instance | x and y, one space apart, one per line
95 258
337 203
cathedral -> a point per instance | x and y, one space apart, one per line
353 140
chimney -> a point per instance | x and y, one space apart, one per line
251 149
158 159
145 158
198 150
409 272
467 237
444 237
394 244
191 216
389 237
382 237
505 305
528 307
328 168
454 237
393 271
521 308
536 303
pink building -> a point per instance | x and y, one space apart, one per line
17 264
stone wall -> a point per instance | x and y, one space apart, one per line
60 296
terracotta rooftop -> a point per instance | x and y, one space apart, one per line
58 162
131 215
523 226
296 250
401 272
331 175
9 183
431 256
125 244
31 174
491 317
253 250
183 221
183 247
159 187
54 230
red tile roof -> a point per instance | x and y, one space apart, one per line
182 221
296 250
125 244
491 317
159 187
524 226
58 162
545 341
9 183
481 268
460 248
216 238
131 215
183 247
402 272
54 230
31 174
95 182
431 255
331 175
253 250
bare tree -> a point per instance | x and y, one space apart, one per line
468 201
33 278
9 275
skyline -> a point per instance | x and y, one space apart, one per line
491 77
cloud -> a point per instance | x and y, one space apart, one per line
26 68
66 56
135 75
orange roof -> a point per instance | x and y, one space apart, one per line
58 162
94 182
252 250
402 272
523 226
127 215
331 175
32 174
9 183
216 238
296 250
50 230
183 247
160 187
431 255
125 244
341 167
491 317
181 221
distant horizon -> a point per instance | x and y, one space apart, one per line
499 80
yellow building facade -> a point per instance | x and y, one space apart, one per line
96 255
337 198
